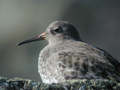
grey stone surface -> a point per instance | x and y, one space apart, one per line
84 84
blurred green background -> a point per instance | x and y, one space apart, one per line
98 22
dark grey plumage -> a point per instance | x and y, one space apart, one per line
67 57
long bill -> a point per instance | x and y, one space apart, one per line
36 38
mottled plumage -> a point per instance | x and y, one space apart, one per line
67 57
73 59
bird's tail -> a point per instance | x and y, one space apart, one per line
112 60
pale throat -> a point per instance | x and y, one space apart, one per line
54 41
58 40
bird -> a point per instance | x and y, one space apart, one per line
68 57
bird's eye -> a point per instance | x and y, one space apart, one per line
58 30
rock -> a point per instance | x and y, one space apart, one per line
84 84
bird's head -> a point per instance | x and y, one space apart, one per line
55 32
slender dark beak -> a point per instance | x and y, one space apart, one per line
36 38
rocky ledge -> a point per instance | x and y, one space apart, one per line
84 84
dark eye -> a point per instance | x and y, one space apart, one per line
58 30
